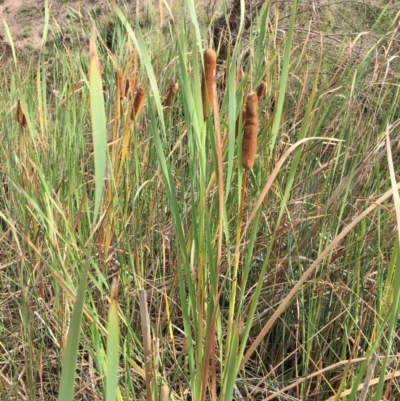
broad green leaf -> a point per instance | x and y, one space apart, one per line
98 124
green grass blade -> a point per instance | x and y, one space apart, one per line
7 29
284 78
66 392
46 22
98 124
112 346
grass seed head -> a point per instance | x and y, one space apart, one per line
249 142
207 82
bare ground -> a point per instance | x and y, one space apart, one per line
25 18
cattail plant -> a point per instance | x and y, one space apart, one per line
261 91
207 82
138 103
249 142
119 83
172 89
21 115
126 87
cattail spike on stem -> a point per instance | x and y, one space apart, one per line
261 91
119 82
207 82
249 142
138 103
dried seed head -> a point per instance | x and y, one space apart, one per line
207 82
138 103
21 115
119 82
249 142
172 89
126 87
261 91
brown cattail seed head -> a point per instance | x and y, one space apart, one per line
261 91
119 81
249 142
138 103
21 115
126 87
172 89
207 82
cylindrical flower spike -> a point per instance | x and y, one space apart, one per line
21 115
249 142
207 82
119 81
138 103
172 89
261 91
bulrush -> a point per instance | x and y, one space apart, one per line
172 89
249 142
126 87
138 103
119 81
21 115
207 82
261 91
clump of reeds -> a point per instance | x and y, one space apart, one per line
21 115
207 82
249 142
172 89
138 103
